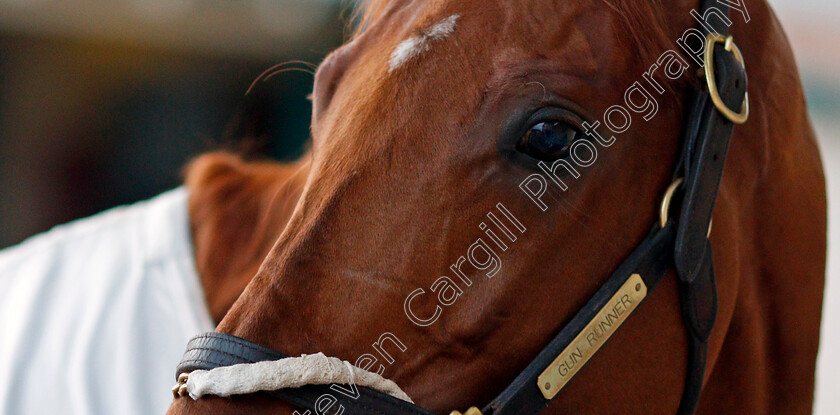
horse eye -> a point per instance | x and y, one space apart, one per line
548 140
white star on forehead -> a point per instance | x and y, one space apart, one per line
418 44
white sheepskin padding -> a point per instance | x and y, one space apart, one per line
292 372
418 44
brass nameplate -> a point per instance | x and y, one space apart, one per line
593 336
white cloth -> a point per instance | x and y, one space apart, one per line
95 314
292 372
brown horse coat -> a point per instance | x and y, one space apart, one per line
406 162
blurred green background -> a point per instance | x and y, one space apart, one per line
102 102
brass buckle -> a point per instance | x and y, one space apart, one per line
665 207
471 411
729 44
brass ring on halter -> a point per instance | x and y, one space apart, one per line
665 207
729 45
180 388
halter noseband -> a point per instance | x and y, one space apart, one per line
680 244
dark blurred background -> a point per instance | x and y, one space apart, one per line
102 102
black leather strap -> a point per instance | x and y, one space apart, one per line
705 146
704 162
698 300
651 259
211 350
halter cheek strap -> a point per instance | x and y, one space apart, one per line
705 146
680 244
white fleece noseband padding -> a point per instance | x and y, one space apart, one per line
292 372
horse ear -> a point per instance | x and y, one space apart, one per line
209 168
237 211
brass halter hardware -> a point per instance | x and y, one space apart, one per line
665 207
180 388
729 45
471 411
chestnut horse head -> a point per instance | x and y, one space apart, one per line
411 241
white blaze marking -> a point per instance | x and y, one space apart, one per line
418 44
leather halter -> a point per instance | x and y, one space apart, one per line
680 244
